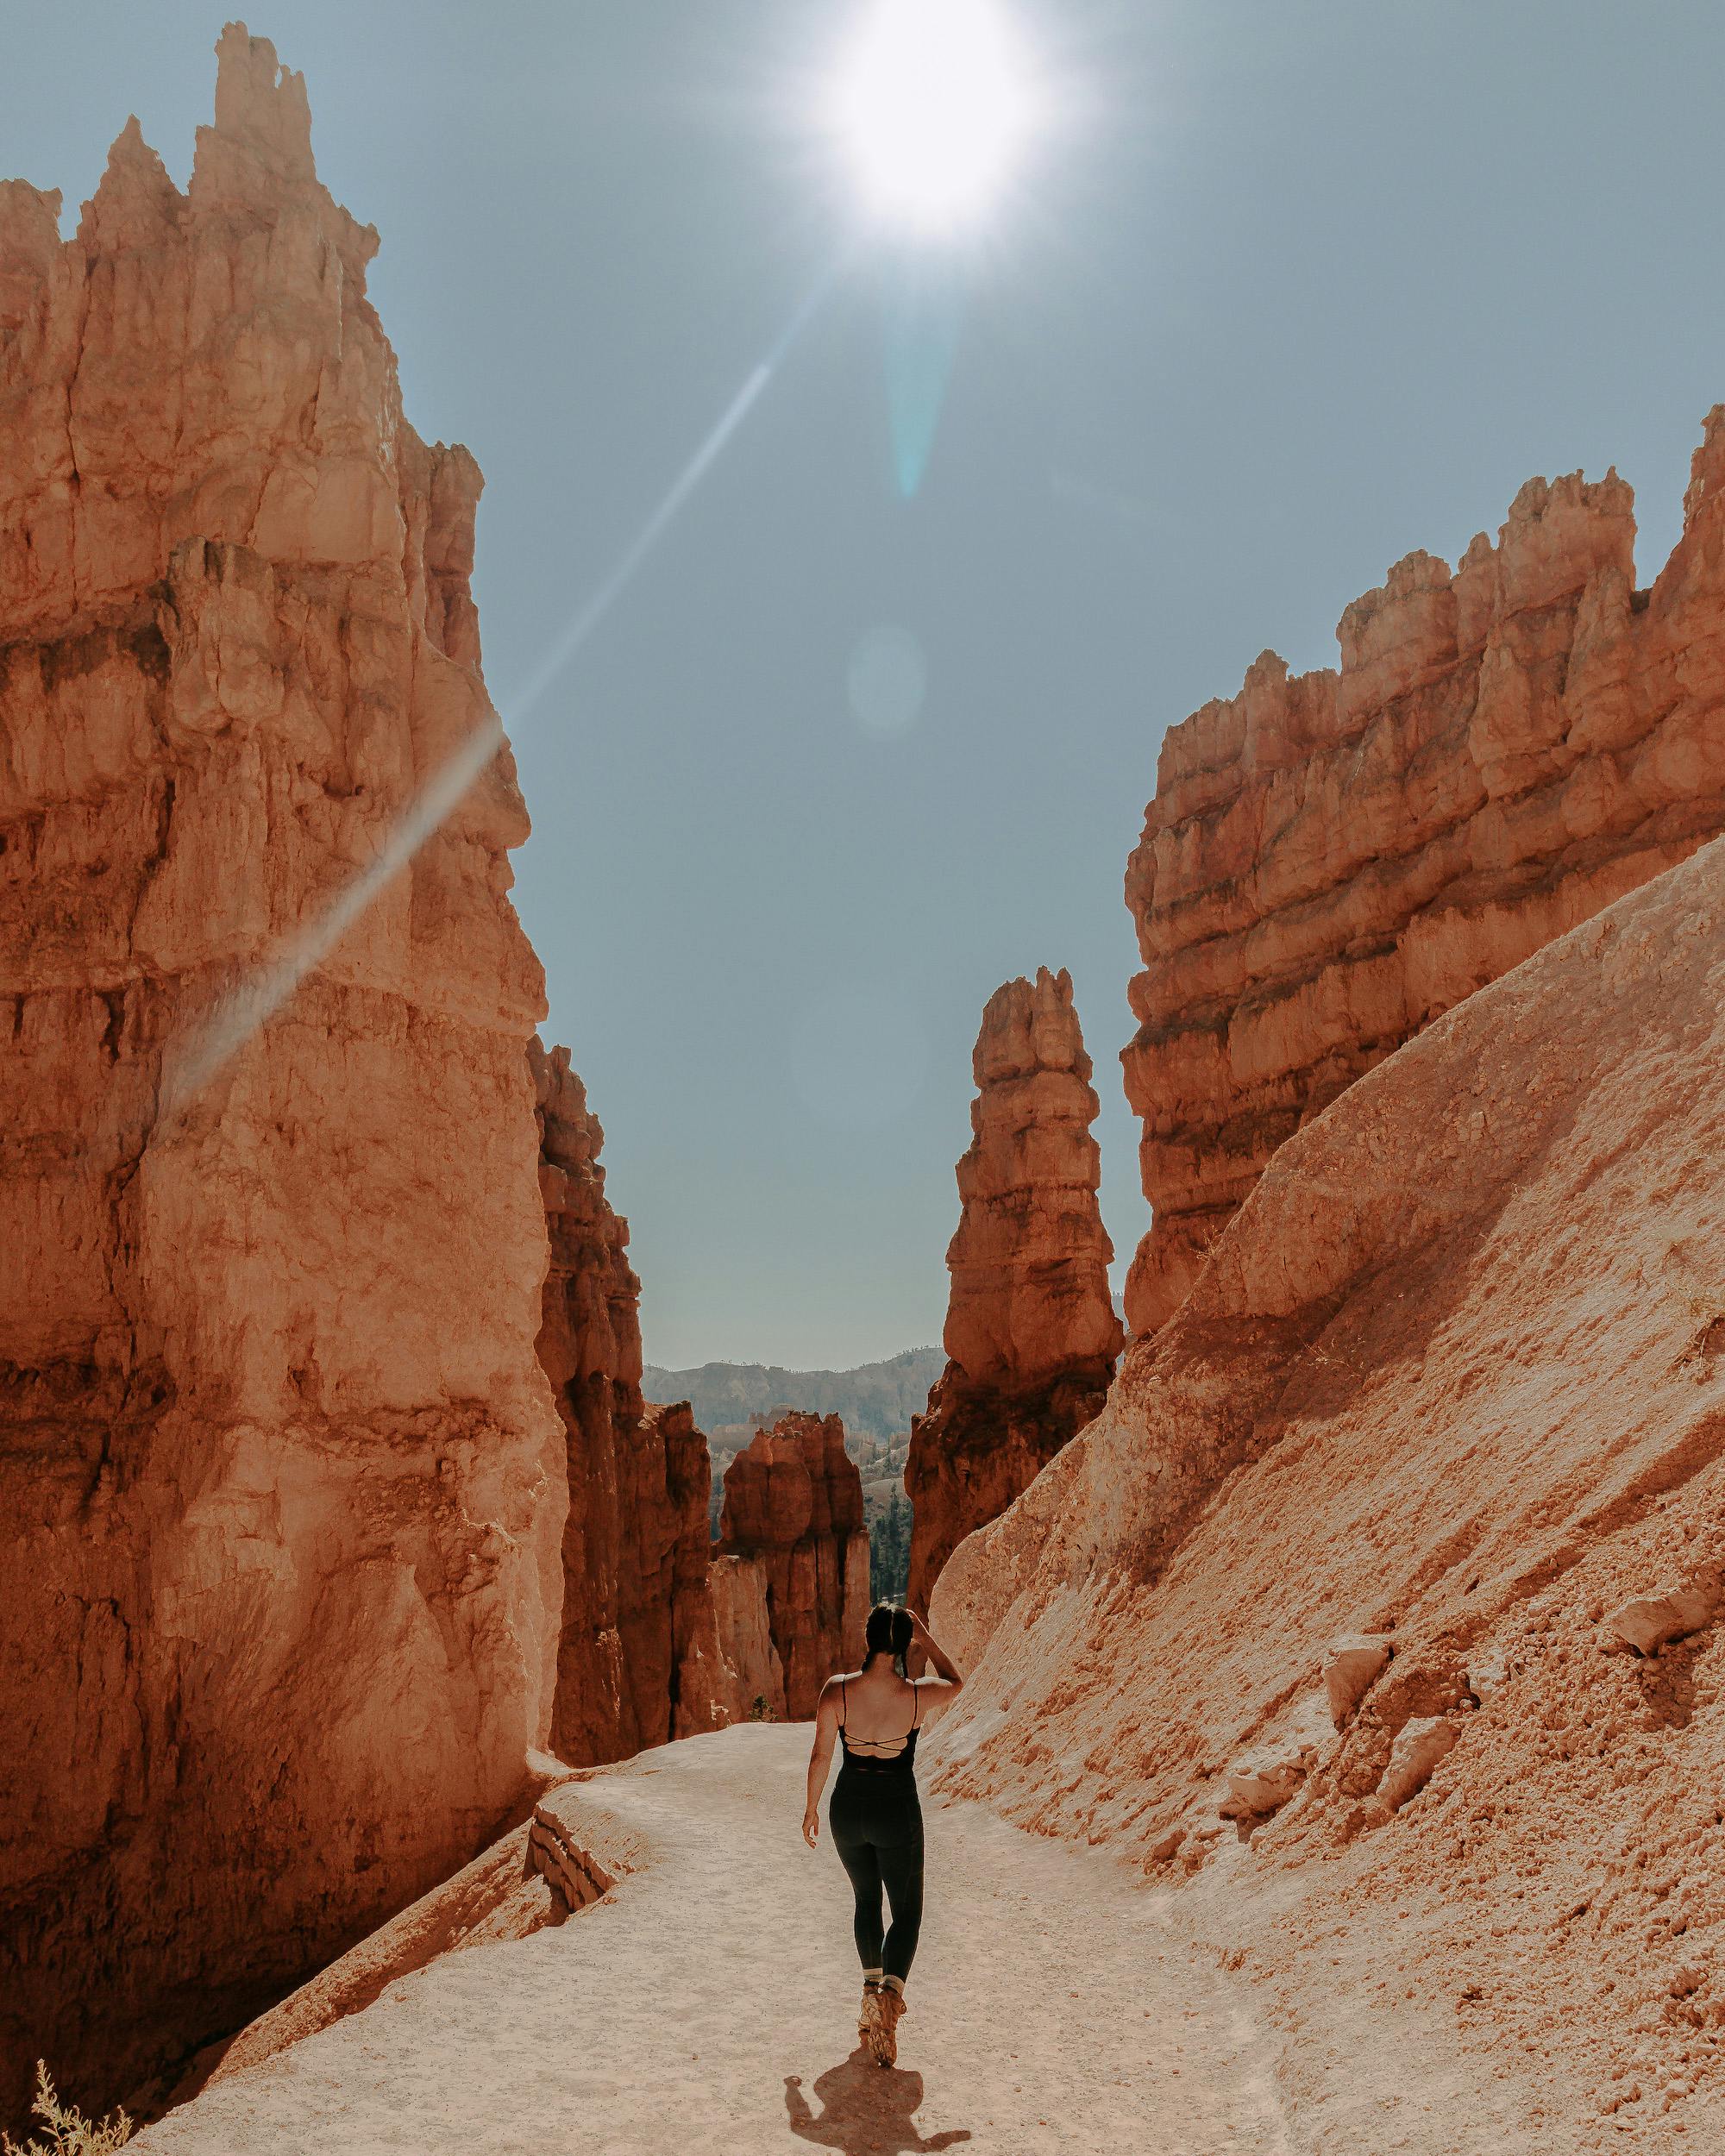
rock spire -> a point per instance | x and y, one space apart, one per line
1031 1329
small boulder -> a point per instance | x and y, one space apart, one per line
1487 1677
1649 1622
1262 1785
1352 1665
1413 1758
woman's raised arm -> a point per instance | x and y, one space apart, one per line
946 1680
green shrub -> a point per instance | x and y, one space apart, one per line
69 2133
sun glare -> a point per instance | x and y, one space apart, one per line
933 106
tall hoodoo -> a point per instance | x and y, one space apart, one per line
282 1480
1333 860
793 1504
635 1543
1030 1327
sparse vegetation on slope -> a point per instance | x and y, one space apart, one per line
69 2133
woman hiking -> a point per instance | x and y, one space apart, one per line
875 1814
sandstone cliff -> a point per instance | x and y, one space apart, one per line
731 1670
1333 860
1031 1329
635 1543
1400 1546
281 1479
793 1505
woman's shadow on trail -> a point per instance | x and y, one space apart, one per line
866 2110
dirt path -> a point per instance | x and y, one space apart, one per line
708 2003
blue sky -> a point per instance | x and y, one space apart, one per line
1298 288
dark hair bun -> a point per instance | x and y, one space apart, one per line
889 1630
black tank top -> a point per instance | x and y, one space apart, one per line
903 1761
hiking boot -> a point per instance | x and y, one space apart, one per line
868 2019
888 2011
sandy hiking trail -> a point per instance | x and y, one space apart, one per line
708 2003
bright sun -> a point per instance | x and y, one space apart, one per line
934 105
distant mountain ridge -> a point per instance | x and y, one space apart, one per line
877 1400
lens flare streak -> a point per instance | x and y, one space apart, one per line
238 1015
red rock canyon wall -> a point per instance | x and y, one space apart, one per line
635 1543
1333 860
1031 1328
280 1478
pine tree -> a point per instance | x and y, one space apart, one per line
889 1552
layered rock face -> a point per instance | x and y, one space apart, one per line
794 1505
635 1542
1400 1545
660 1637
1031 1329
735 1672
1333 860
280 1476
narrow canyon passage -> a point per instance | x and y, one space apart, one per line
709 2003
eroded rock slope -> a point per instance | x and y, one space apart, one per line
1395 1555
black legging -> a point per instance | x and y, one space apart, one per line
876 1821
